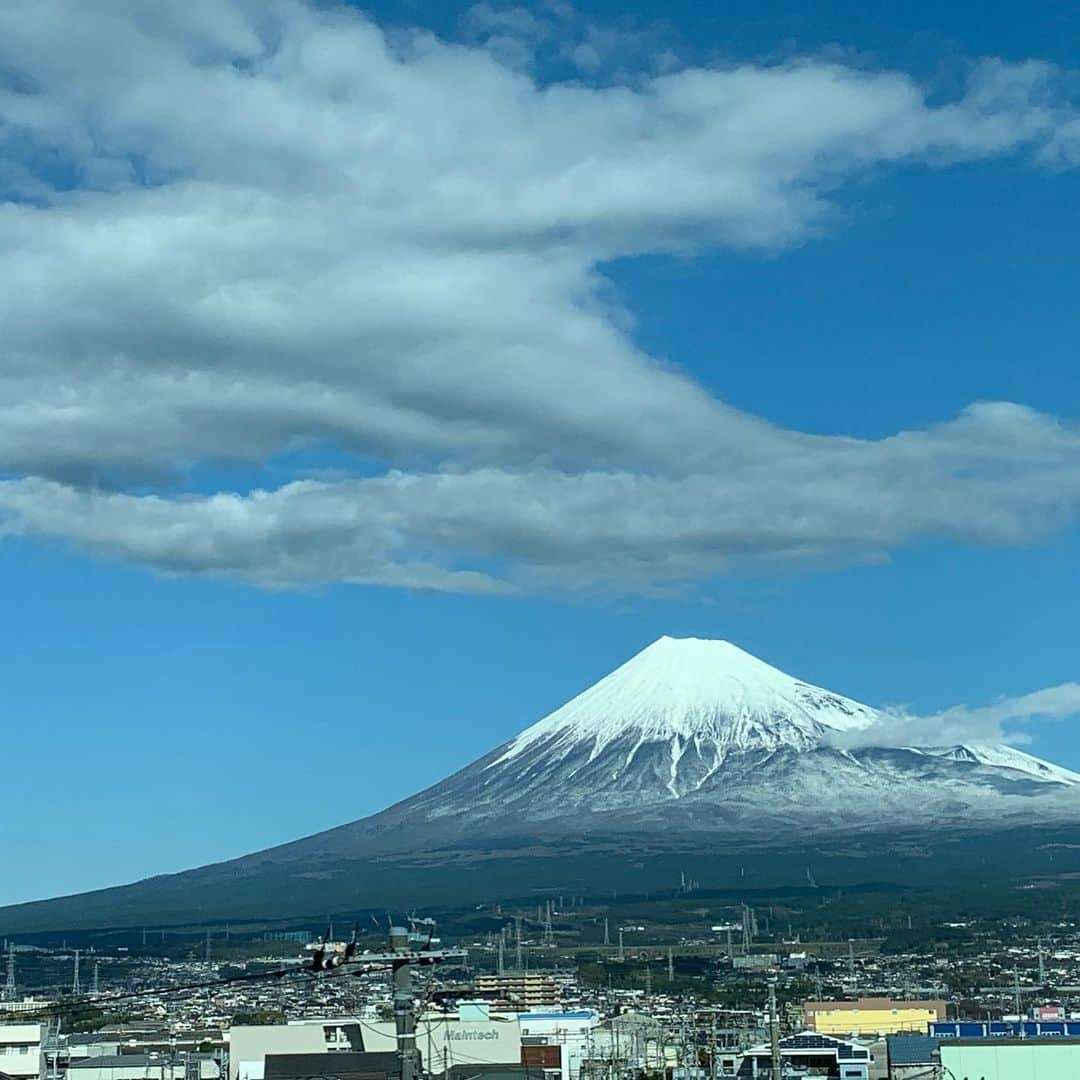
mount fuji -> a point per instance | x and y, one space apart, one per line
701 735
691 749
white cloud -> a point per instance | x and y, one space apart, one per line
1003 721
235 229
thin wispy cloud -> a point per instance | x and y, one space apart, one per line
232 231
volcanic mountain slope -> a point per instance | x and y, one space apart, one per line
690 746
701 734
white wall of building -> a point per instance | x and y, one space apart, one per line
444 1041
249 1045
20 1051
571 1031
476 1037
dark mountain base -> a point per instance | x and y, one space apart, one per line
596 868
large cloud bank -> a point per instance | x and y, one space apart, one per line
232 230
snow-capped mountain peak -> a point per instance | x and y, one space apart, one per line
691 690
685 715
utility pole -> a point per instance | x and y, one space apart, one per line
404 1020
10 993
407 948
774 1032
712 1048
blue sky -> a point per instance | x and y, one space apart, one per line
343 411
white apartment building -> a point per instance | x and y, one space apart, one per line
20 1051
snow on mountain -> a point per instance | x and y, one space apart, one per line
1000 755
711 700
693 738
692 690
701 735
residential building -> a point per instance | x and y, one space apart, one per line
807 1053
520 989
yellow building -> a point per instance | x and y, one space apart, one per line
872 1016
